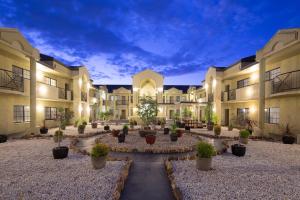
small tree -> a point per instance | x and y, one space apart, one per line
209 112
187 113
147 110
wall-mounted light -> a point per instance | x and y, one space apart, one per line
254 77
206 86
249 92
80 82
214 83
252 109
135 89
88 86
39 108
94 100
160 89
214 109
79 108
88 110
42 89
39 75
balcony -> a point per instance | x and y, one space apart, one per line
122 102
249 92
286 82
11 81
84 96
65 94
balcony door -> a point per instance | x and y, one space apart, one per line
123 114
226 115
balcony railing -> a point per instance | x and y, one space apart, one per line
122 102
286 82
11 81
84 96
210 97
231 95
65 94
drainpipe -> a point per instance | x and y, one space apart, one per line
261 118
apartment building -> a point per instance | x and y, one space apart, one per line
263 88
33 86
122 100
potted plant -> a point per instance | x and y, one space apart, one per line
59 152
81 128
131 123
121 137
166 131
173 135
147 111
106 127
162 123
115 133
187 128
217 130
3 138
125 129
98 155
84 122
244 135
94 124
287 137
150 137
209 116
238 150
44 129
63 125
205 152
230 127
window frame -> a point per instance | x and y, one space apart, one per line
268 74
22 115
243 81
50 81
272 119
52 115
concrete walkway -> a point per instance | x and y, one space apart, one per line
147 178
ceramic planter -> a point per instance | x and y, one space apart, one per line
57 139
94 125
203 164
98 162
187 128
125 131
150 139
166 131
115 133
210 126
106 128
238 150
173 137
288 139
121 138
3 138
179 133
43 130
60 152
243 140
81 129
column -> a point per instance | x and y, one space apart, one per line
261 117
32 95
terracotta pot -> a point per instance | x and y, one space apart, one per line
173 137
98 162
121 138
166 131
150 139
179 132
115 133
203 164
94 125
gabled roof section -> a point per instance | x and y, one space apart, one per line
111 88
183 88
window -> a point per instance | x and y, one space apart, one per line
50 81
272 115
242 113
177 98
269 75
243 83
183 98
21 113
50 113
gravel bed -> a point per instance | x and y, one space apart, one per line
28 171
224 132
134 142
268 171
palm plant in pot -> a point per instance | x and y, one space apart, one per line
115 133
287 137
205 152
131 123
125 129
162 123
94 124
147 111
59 152
81 128
209 116
174 135
244 135
217 130
166 131
44 129
98 155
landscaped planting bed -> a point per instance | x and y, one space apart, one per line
135 143
28 171
268 171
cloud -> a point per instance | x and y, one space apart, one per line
176 38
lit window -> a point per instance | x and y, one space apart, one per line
50 113
21 113
50 81
272 115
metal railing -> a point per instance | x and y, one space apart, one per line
62 93
11 81
286 82
231 95
84 96
122 102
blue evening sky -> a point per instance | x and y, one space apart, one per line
118 38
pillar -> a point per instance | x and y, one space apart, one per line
261 117
32 95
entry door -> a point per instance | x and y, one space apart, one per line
226 117
227 88
171 114
123 114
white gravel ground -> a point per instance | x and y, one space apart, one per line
268 171
163 142
28 171
224 132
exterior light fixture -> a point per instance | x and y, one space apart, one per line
88 86
39 108
94 100
42 89
135 89
39 75
80 82
79 108
214 83
206 86
252 109
254 77
160 89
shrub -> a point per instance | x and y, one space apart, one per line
81 126
173 129
125 127
217 130
84 122
244 133
77 122
58 134
205 150
99 150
